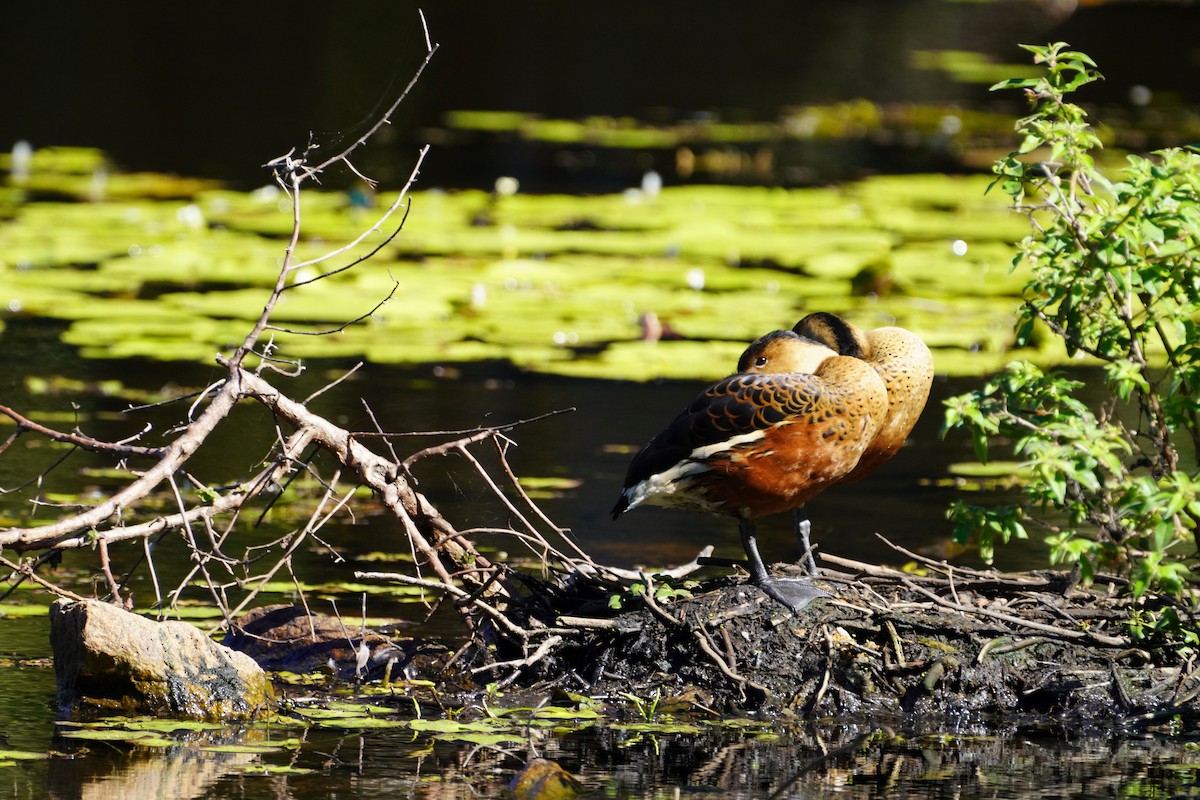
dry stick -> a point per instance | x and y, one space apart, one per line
66 533
563 533
191 412
199 557
441 449
39 478
873 570
79 440
149 555
729 651
385 118
27 571
247 346
387 442
953 591
469 437
466 454
492 611
1100 638
345 376
106 567
941 566
1186 673
316 524
520 663
292 459
1029 583
12 437
897 645
680 571
819 695
218 539
648 598
367 256
598 623
705 645
344 325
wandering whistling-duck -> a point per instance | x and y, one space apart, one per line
764 442
905 365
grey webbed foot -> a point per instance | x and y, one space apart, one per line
794 593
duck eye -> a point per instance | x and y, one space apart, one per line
761 361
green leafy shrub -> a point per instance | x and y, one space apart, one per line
1115 277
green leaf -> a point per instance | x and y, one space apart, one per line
979 443
1014 83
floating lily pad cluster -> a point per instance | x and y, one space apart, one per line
574 285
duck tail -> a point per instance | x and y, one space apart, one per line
621 507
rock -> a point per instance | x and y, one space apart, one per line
543 779
109 657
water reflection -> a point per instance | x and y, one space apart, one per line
819 760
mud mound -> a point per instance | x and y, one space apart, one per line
946 640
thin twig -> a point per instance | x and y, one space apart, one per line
26 570
385 118
80 440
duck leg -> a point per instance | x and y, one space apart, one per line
801 525
794 593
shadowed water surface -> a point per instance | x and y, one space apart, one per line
969 757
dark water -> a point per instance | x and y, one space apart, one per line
905 501
220 89
977 757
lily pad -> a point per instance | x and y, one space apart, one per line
360 723
107 734
22 755
268 769
549 283
243 748
339 710
170 725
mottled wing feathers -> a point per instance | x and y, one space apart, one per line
738 405
744 403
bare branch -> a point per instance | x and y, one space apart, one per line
67 532
331 384
79 439
400 200
27 571
344 325
384 119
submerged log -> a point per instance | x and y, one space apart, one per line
110 658
289 638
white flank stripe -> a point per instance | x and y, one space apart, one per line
670 487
